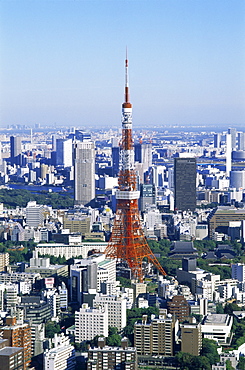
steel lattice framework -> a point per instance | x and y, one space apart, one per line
127 241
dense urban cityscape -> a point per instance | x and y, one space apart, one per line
122 231
72 294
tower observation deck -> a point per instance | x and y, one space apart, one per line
127 242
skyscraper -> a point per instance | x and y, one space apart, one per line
15 146
232 132
15 149
84 168
241 141
64 152
185 184
217 140
228 154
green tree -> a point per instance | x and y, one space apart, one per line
219 308
51 328
241 363
209 350
228 365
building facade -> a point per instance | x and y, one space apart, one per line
84 167
185 184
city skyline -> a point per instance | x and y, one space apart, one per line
62 62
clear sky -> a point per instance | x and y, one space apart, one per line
62 61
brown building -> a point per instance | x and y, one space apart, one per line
18 336
12 358
219 218
105 357
156 337
191 339
179 307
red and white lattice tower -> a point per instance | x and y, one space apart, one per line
127 241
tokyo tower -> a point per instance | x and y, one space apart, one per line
127 241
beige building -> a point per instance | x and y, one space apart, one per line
191 339
221 216
156 337
4 261
77 224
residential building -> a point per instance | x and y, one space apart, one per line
90 322
179 307
105 357
4 261
116 306
18 336
61 356
191 338
156 337
12 358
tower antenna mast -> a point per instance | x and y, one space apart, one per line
127 241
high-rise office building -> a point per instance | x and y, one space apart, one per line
64 152
84 168
228 153
15 146
217 140
185 184
232 132
143 154
241 140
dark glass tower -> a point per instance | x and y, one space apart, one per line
185 184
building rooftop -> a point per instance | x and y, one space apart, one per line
8 351
215 319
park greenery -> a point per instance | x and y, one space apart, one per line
12 198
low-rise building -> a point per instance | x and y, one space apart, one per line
217 327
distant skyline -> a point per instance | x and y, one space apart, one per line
62 62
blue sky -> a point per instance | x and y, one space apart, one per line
62 61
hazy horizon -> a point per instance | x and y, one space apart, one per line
62 62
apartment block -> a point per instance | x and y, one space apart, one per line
156 337
90 322
117 307
105 357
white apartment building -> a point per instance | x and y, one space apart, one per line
116 306
61 356
90 322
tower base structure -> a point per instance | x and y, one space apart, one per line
128 242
